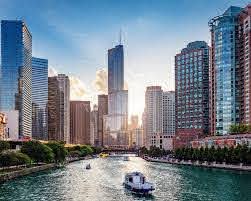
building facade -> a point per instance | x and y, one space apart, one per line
80 113
224 70
116 121
16 74
153 111
102 110
94 137
39 98
59 108
192 91
3 123
168 104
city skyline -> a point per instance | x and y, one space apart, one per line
148 32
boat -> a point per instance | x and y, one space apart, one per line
136 183
126 158
88 166
103 155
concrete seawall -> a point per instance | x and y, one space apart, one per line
205 164
19 173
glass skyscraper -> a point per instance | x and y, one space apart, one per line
16 73
224 106
116 121
39 98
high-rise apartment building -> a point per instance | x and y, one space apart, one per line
192 92
153 112
39 98
16 74
225 71
102 110
94 139
115 122
59 108
80 122
168 104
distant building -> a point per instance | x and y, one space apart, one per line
139 142
116 121
153 111
16 71
80 122
134 124
168 104
59 108
94 137
102 110
12 126
2 126
39 98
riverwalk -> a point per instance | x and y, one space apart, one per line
205 164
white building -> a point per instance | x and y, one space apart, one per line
159 118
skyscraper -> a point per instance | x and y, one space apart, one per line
192 91
94 139
80 122
153 112
102 110
224 78
168 104
16 74
115 122
59 108
39 98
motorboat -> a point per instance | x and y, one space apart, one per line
103 155
88 166
126 158
136 183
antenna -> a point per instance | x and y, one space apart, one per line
120 37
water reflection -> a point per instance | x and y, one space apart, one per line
103 182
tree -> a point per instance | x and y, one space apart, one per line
59 151
11 158
37 151
143 151
4 146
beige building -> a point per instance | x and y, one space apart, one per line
80 112
2 126
94 138
102 110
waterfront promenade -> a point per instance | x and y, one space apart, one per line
239 167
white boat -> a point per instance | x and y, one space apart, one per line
136 183
126 158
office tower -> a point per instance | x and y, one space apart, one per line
102 110
39 99
80 122
94 139
139 137
144 126
225 82
168 112
59 108
16 75
134 124
115 122
153 112
192 92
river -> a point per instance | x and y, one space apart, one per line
104 183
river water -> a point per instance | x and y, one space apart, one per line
104 183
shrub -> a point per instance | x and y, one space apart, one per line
10 158
58 150
4 146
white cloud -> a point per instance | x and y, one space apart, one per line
100 83
52 72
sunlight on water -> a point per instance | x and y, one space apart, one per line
103 182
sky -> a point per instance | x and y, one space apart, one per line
75 35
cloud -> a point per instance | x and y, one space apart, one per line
52 72
78 90
100 82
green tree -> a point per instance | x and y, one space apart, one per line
59 151
38 152
4 145
11 158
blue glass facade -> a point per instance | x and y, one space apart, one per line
15 82
116 69
224 30
39 98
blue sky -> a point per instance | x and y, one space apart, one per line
75 35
